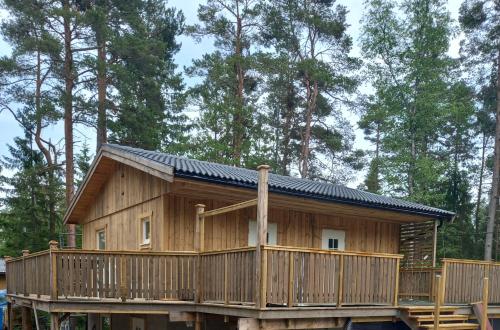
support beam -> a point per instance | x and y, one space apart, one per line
437 302
290 324
182 317
199 246
262 209
54 321
26 318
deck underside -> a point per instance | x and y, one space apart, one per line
112 306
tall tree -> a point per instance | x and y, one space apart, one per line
409 67
226 96
316 78
26 77
480 20
134 72
27 196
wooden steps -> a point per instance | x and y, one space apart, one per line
422 317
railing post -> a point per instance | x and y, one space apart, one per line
7 272
123 278
340 285
437 304
484 319
199 246
442 291
25 289
260 253
53 269
291 284
226 271
396 289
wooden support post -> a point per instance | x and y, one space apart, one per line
123 278
53 269
10 316
260 253
340 284
291 284
484 319
198 322
437 303
26 318
434 244
25 289
199 246
226 280
35 314
54 321
442 291
396 289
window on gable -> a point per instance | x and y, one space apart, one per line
146 230
101 239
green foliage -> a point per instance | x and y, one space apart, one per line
145 91
28 193
230 129
309 76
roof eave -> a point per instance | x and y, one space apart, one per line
438 216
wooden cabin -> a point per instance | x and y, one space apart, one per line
170 242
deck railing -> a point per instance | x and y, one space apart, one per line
418 283
464 281
298 277
228 276
104 274
290 276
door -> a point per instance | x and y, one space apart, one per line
332 239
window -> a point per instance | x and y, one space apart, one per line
101 239
333 239
145 238
272 233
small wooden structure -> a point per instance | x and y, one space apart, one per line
188 240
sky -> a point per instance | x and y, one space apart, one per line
190 50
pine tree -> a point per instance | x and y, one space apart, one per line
229 125
409 67
140 83
311 79
24 220
480 20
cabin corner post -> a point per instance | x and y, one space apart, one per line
25 254
199 246
260 257
484 316
53 247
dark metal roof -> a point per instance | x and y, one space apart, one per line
230 175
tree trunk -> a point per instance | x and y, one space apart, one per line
45 151
101 93
239 120
490 228
312 94
287 130
480 184
68 117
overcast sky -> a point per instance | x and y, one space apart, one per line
189 51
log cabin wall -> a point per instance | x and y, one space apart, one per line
129 193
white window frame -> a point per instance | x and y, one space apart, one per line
328 238
143 219
272 233
97 238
